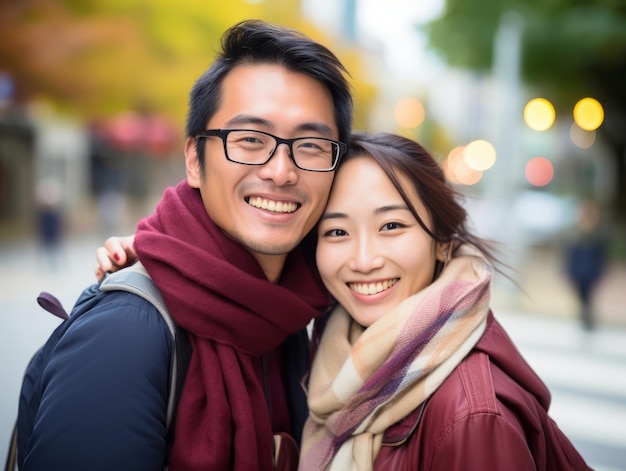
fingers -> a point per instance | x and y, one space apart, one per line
99 273
116 253
114 249
122 249
104 263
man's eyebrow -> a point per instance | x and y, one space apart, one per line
247 119
242 119
319 128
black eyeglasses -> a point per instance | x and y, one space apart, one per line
249 147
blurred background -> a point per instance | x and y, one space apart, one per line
521 102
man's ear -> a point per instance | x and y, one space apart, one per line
192 164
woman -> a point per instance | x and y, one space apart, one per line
412 370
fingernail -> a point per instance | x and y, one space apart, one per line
116 257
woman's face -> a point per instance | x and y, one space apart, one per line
372 253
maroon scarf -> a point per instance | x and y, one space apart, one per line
217 291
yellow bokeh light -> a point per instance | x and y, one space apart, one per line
588 114
479 155
539 114
409 112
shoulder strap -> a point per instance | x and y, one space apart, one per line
11 462
135 279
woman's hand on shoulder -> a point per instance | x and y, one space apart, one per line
117 253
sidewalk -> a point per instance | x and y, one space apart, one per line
547 291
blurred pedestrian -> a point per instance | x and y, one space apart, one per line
585 259
108 178
49 220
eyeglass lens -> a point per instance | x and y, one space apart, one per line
251 147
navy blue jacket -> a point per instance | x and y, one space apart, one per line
95 396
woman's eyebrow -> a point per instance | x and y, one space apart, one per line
382 209
391 207
333 216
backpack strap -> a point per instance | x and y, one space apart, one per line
11 462
52 305
135 279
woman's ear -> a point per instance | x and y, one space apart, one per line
192 164
444 252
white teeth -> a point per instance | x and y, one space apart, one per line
373 288
270 205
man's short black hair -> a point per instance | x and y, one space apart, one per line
257 42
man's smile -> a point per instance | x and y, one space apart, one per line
271 205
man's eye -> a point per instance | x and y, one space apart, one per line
246 140
309 145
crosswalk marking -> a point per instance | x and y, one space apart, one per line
586 375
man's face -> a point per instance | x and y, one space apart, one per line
243 200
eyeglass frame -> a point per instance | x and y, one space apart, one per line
223 135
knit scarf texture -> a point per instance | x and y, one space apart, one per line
218 293
364 380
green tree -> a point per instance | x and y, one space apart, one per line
571 49
100 57
96 58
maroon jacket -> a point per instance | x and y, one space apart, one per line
490 414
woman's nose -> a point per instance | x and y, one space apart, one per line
365 256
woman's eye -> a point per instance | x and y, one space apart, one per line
335 233
391 226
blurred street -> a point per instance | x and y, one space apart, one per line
519 102
586 375
585 371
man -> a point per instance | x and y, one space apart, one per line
265 131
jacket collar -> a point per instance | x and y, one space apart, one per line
400 432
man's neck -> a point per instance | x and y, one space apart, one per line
272 265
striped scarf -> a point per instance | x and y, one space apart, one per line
365 380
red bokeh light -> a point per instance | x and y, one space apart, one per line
539 171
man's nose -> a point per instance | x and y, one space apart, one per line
281 169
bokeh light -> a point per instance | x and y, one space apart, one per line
581 138
539 114
479 155
588 114
409 112
457 170
466 175
451 161
539 171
